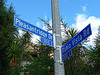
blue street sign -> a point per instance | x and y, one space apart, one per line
33 29
86 32
46 41
66 55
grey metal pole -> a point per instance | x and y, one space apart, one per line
58 64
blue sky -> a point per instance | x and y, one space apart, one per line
77 13
30 10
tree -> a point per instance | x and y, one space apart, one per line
74 65
95 54
25 40
14 52
71 32
43 63
7 33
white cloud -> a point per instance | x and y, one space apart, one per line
84 8
82 20
35 38
20 32
38 24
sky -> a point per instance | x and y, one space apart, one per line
77 13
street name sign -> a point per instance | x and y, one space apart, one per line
86 32
46 41
66 55
33 29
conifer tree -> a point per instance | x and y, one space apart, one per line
7 34
95 54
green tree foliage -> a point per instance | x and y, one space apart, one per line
42 64
74 65
14 52
26 38
14 71
47 24
25 41
7 33
95 55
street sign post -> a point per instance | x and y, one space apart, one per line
33 29
86 32
58 64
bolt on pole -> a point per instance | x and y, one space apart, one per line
58 64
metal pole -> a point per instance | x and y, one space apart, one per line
58 64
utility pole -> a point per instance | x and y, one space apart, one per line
58 64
